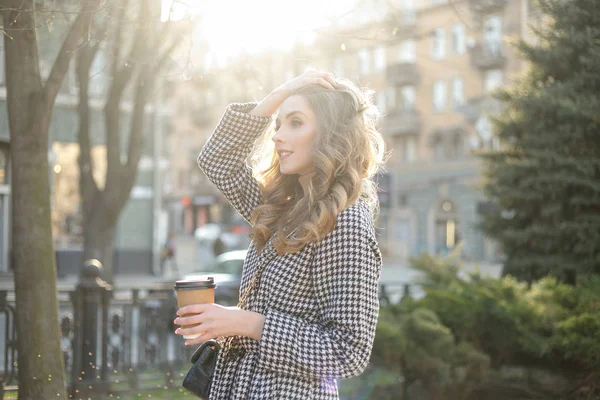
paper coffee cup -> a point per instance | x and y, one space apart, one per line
196 291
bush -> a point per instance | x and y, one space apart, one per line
418 344
447 339
494 315
578 338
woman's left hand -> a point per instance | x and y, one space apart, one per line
216 320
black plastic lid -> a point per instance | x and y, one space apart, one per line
206 283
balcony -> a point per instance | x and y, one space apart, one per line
486 6
402 74
399 122
403 23
488 54
478 106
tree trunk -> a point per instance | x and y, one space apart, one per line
40 361
99 243
138 68
30 104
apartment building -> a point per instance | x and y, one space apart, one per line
432 65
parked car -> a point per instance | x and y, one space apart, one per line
226 270
232 238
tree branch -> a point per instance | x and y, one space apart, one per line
164 57
61 64
145 83
112 109
116 49
123 74
87 185
136 135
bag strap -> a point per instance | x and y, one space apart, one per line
258 274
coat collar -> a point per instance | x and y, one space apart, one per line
269 251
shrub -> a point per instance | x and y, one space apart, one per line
419 345
447 339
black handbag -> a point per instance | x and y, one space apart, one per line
199 378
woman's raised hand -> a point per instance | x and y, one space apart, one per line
270 104
311 77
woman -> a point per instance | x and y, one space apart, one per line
311 318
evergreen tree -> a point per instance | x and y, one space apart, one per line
545 178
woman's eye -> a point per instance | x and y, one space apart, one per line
296 123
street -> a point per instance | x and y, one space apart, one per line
190 256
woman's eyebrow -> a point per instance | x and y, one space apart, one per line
291 113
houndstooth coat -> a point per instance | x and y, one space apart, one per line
320 305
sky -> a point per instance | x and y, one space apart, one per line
234 26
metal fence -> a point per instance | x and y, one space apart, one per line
117 340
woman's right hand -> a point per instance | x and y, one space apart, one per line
270 104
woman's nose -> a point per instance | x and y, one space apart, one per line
277 137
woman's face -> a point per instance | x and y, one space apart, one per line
296 129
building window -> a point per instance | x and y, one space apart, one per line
457 146
364 62
381 103
438 149
338 66
408 52
380 59
458 93
438 44
485 130
459 41
411 149
492 29
408 97
391 97
447 228
439 96
493 79
492 36
408 11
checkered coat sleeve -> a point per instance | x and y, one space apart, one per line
345 272
223 157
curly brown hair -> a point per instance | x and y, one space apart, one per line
347 152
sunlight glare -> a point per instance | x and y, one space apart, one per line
233 27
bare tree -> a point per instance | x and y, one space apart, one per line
30 104
136 68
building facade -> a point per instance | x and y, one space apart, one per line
433 65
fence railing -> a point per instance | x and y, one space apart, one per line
117 340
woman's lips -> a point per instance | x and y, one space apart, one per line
284 155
